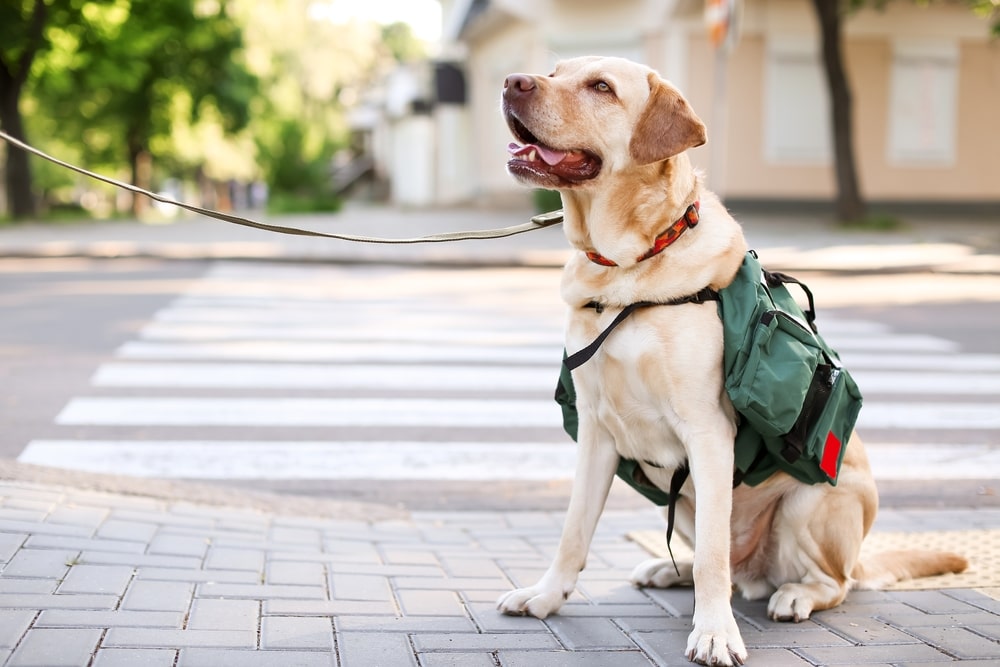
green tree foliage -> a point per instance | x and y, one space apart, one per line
199 89
128 73
22 39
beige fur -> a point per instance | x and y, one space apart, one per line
654 392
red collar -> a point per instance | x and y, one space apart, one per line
689 219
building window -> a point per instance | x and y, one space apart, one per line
923 103
796 99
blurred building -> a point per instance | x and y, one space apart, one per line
925 80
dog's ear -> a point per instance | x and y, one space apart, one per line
668 125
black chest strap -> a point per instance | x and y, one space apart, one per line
581 357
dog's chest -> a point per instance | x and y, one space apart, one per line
642 386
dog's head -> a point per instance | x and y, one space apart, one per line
594 117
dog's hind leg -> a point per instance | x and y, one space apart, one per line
660 573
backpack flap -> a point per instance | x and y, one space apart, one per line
784 380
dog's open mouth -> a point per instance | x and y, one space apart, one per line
533 161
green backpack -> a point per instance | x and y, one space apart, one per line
797 405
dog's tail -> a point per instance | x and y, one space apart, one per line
888 567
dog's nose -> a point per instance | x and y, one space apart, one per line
518 84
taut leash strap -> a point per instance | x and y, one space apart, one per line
537 222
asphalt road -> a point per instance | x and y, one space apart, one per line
63 320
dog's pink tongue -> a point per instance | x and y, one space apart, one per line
549 156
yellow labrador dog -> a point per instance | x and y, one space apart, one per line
611 136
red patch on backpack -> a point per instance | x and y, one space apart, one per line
831 454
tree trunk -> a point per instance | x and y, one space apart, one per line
850 205
17 172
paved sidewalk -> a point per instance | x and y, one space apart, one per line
105 579
786 241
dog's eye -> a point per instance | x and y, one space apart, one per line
602 87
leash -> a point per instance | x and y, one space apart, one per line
536 222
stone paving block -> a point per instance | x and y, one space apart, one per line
33 586
327 608
169 638
667 647
789 636
359 587
611 591
489 619
676 601
358 649
41 563
295 535
42 528
70 618
197 575
111 579
78 515
158 596
407 624
959 642
914 619
868 655
178 545
293 632
589 633
433 571
260 591
135 657
932 602
234 559
986 629
9 544
459 660
474 567
485 642
403 556
362 554
224 615
40 602
56 648
13 624
295 574
453 584
138 560
17 514
582 608
573 659
862 629
977 599
132 531
430 603
204 657
84 544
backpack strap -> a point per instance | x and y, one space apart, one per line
581 357
775 278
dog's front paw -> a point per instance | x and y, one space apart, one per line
717 645
537 601
660 573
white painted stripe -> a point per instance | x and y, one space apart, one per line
947 416
876 382
280 330
310 460
426 461
933 462
292 412
894 342
277 350
976 363
329 376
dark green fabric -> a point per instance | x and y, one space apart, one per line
771 359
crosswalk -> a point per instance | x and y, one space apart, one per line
285 372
